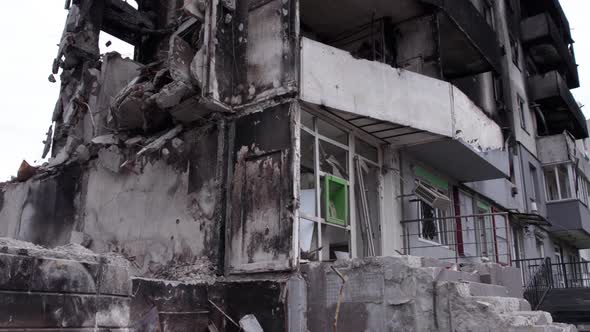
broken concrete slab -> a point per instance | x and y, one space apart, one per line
109 139
111 158
249 323
172 94
195 8
180 57
160 141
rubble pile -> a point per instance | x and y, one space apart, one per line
106 100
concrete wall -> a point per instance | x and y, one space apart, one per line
163 211
66 290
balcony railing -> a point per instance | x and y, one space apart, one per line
462 239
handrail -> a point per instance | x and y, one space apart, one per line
540 276
540 284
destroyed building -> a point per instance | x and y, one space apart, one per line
408 165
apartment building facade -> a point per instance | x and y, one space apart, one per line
258 136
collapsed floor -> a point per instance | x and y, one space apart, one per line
71 287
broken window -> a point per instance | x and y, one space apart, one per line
326 172
434 224
557 182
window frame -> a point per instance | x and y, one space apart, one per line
352 136
440 216
557 182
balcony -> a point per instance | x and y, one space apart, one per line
449 35
547 48
468 45
570 221
404 109
559 108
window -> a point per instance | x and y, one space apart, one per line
434 226
327 173
521 113
582 188
557 182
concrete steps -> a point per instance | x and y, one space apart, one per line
483 290
503 305
528 318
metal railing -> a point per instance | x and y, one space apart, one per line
571 275
540 276
537 279
466 238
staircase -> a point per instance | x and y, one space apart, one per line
416 294
562 289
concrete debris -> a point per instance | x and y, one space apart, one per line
249 323
111 158
109 139
197 67
177 144
64 154
198 270
195 8
160 141
82 154
180 58
137 140
70 251
81 239
172 94
229 4
26 171
47 141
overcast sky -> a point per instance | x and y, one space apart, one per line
30 31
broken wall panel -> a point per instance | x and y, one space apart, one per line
272 44
165 211
168 214
260 222
255 53
43 211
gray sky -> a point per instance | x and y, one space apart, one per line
30 31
